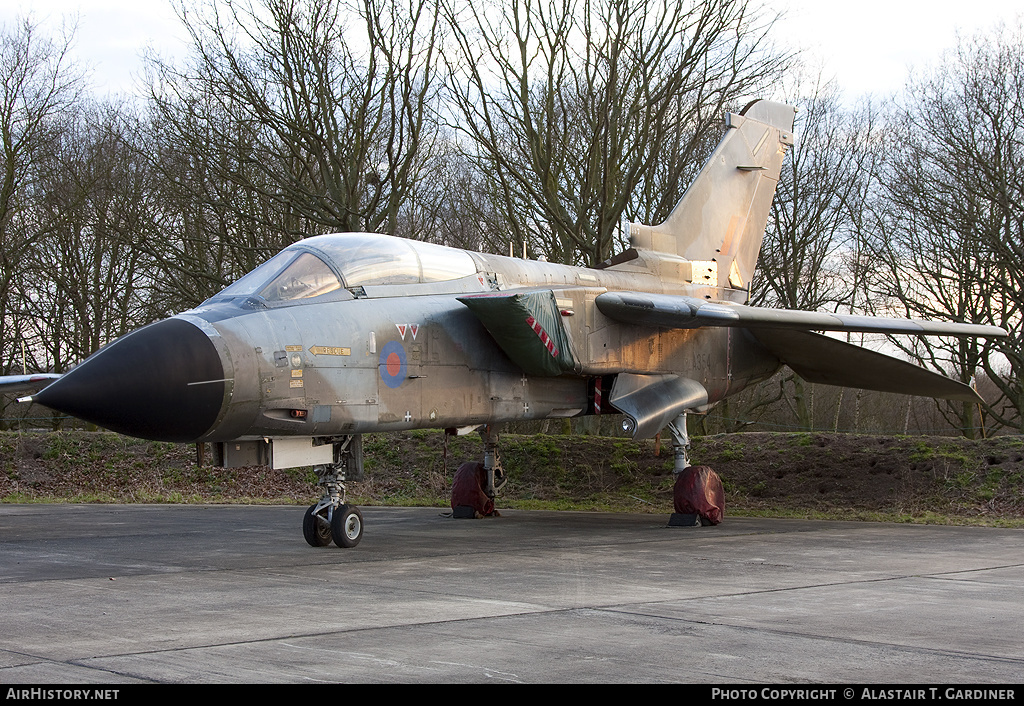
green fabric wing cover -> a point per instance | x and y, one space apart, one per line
528 327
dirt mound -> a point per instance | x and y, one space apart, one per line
814 474
903 477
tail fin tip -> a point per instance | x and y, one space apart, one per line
721 218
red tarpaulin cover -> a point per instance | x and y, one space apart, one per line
698 491
468 488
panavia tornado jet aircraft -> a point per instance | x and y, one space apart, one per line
340 335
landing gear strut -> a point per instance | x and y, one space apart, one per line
680 443
495 474
331 518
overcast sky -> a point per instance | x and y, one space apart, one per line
866 45
869 45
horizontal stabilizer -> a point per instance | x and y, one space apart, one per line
825 360
675 311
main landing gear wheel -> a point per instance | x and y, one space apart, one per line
347 526
316 529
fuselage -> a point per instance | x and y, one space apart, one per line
369 336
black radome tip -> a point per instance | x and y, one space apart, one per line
164 382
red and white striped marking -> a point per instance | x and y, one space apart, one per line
543 335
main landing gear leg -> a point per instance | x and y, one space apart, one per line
496 477
680 443
331 518
698 496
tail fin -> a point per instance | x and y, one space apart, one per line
721 218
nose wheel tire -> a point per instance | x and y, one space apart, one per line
316 529
347 526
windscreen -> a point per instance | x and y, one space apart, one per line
306 276
254 281
286 276
361 258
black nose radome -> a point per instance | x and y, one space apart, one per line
163 382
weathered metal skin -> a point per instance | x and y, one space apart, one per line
320 370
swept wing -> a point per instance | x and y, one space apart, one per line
670 311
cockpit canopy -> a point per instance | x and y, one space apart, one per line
325 263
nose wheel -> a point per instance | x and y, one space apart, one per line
324 524
316 528
332 519
347 526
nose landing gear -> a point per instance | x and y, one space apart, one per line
331 518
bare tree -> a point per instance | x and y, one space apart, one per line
804 256
808 257
91 282
323 119
452 205
952 240
577 111
211 228
38 85
293 117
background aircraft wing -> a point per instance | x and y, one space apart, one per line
671 311
13 384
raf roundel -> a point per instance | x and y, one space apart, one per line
393 368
